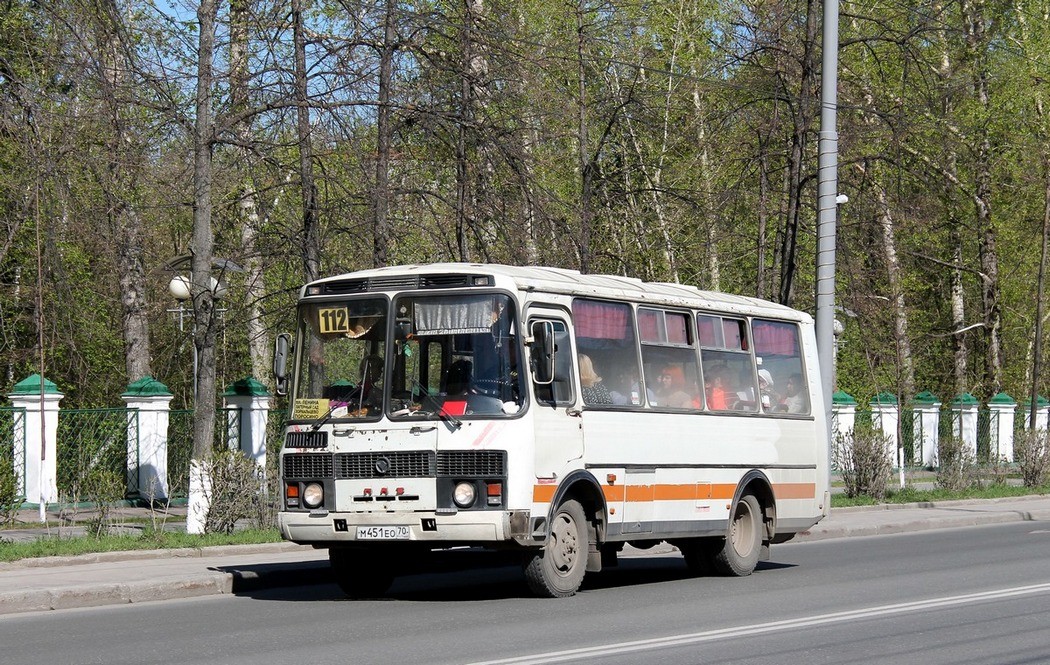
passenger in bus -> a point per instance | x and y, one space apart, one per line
594 391
459 377
715 389
627 390
670 388
369 392
765 388
795 399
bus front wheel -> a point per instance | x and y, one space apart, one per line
739 554
556 570
361 574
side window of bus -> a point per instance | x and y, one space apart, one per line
559 391
730 382
608 356
777 344
669 358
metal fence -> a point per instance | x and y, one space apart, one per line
93 447
13 448
180 443
950 424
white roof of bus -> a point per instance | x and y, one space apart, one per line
561 280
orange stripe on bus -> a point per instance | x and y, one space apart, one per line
684 492
795 490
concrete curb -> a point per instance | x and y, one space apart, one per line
173 587
99 594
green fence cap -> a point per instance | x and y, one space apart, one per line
1040 402
842 397
965 398
247 386
31 386
147 386
1002 398
884 398
925 397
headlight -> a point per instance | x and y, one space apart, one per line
464 495
313 495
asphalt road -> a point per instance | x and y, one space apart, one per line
964 596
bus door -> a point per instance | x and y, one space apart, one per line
557 426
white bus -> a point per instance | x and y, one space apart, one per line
542 410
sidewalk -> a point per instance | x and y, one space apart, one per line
130 577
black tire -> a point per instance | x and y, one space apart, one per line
557 569
739 553
361 574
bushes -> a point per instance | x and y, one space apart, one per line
236 491
1032 452
860 456
9 499
956 465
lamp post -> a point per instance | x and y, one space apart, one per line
181 288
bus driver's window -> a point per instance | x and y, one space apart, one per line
559 391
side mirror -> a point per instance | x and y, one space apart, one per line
280 362
543 352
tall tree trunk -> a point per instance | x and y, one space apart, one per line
201 249
381 190
120 193
586 170
311 250
255 287
977 54
804 114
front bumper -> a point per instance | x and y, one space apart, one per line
465 527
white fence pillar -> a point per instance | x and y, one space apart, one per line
926 426
148 402
253 401
843 419
1002 410
40 398
964 421
884 417
1042 414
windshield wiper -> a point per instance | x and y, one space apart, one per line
438 408
327 416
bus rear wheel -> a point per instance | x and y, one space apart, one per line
739 554
557 569
361 574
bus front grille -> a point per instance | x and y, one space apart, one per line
308 465
468 463
400 464
306 440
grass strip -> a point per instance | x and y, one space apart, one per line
156 540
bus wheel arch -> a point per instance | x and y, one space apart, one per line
751 527
574 530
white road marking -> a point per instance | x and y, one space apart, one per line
620 648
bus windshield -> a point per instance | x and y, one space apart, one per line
340 373
455 355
